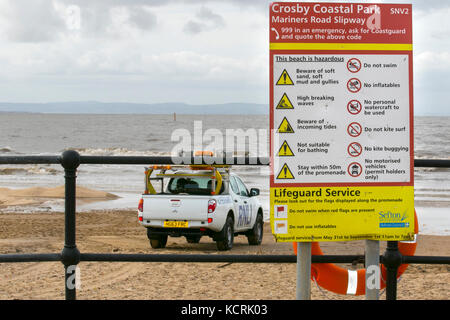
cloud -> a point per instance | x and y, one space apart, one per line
194 27
146 51
429 4
432 61
102 20
142 18
206 20
207 14
30 21
47 21
118 3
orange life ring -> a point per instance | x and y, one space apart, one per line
343 281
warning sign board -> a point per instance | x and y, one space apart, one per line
341 109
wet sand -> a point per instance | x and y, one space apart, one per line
39 195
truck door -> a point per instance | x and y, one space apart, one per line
245 213
236 198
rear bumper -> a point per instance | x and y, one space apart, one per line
178 232
192 224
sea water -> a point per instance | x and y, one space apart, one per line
150 135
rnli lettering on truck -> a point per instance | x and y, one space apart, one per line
245 215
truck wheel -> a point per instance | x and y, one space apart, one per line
158 243
226 239
193 239
255 235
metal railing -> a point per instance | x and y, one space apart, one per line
71 256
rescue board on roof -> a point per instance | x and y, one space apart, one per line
341 110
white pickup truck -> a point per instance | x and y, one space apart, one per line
198 201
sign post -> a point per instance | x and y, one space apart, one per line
303 271
341 114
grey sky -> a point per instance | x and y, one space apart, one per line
198 51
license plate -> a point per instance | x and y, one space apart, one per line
175 224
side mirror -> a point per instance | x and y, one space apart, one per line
254 192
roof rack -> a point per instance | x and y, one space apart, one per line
217 173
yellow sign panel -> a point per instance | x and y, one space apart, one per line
285 103
285 79
285 127
334 213
285 150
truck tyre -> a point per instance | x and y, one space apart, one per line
193 239
158 242
226 236
255 235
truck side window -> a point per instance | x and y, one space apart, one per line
209 186
234 186
242 188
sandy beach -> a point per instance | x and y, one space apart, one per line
118 231
329 117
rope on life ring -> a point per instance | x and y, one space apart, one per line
344 281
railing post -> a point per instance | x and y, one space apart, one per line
70 255
392 259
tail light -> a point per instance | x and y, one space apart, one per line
140 210
212 205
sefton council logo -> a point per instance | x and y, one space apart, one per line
390 219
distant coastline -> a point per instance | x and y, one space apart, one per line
94 107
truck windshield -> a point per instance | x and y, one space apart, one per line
191 185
